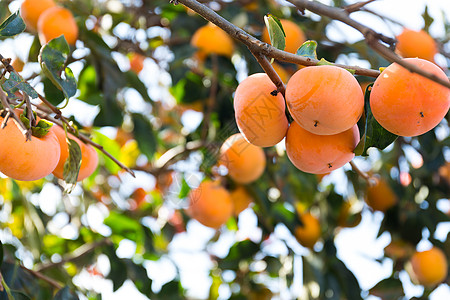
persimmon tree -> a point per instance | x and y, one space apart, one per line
143 172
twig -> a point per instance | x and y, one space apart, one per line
270 71
211 101
371 181
372 38
5 287
78 253
257 46
47 279
19 123
356 6
172 153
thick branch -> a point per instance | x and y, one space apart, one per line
372 37
256 46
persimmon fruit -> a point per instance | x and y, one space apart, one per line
324 100
380 196
89 157
210 204
245 162
212 39
320 154
412 43
241 200
309 233
406 103
27 160
136 62
430 267
295 36
57 21
31 10
260 111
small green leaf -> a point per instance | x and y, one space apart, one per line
324 62
41 129
144 135
308 49
389 288
52 59
375 135
15 82
276 31
72 164
427 19
12 26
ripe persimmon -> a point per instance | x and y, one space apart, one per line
411 43
210 204
430 267
245 162
89 157
320 154
406 103
27 160
211 39
31 10
309 233
241 200
136 62
380 196
260 111
324 99
295 36
57 21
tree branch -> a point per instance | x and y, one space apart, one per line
76 254
19 123
259 47
372 37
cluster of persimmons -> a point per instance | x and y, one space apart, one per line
325 102
42 155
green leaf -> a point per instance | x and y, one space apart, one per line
138 274
118 272
52 58
72 164
375 135
41 129
124 226
112 147
427 19
276 31
12 26
388 289
308 49
54 95
65 294
15 82
324 62
144 135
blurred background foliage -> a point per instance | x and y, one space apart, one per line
49 238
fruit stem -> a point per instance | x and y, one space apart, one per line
371 181
19 123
